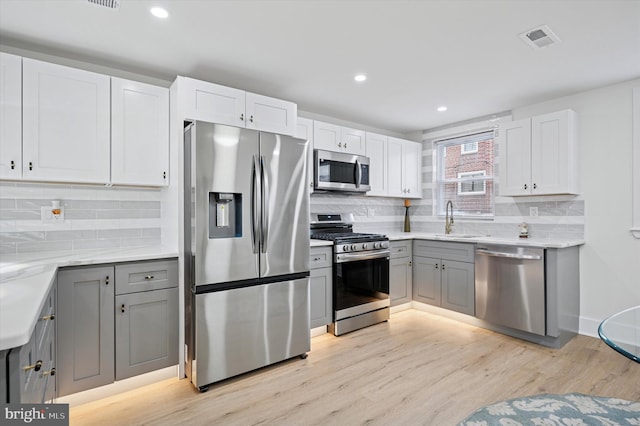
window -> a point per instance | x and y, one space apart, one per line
464 174
471 187
469 148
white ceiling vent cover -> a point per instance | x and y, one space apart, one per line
539 37
111 4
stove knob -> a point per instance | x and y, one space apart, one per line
364 246
353 246
376 245
345 248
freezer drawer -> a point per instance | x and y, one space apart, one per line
510 287
246 328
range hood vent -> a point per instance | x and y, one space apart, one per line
111 4
539 37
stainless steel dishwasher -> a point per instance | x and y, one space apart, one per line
510 287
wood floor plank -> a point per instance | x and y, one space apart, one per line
418 368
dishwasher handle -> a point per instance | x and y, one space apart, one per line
508 255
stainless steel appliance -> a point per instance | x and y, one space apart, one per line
510 287
360 273
336 171
246 250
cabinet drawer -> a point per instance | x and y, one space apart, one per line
461 252
145 276
401 248
320 257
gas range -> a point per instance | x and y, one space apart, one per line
333 227
360 272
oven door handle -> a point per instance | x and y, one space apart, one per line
353 257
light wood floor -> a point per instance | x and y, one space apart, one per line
418 368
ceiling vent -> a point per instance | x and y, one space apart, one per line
111 4
539 37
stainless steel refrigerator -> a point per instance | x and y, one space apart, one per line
246 246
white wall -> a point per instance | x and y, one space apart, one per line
610 259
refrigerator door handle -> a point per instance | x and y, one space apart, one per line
255 219
264 225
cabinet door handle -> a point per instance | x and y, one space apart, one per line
48 317
35 367
106 280
51 372
149 277
345 145
535 186
525 186
122 308
316 259
13 165
443 266
30 165
436 266
241 117
251 118
339 144
164 175
410 263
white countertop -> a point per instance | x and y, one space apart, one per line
25 281
320 243
524 242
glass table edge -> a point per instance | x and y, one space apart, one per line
613 345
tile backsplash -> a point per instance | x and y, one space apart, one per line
94 217
559 217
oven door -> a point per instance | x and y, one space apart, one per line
360 283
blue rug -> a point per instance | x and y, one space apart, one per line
557 410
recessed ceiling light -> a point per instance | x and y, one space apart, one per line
442 108
360 77
159 12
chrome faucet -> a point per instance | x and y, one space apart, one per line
448 220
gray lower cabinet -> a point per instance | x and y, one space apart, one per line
400 272
85 328
321 286
443 275
29 372
146 331
115 322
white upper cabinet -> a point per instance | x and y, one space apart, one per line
515 157
304 130
220 104
212 102
139 133
332 137
66 124
539 155
404 165
270 114
10 116
376 150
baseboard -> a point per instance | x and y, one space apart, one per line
589 326
400 308
318 331
119 387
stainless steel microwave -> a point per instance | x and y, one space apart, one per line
337 171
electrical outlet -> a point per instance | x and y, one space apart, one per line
533 211
47 215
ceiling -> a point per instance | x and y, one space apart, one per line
417 55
